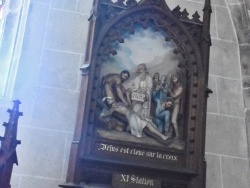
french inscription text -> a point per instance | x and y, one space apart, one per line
136 152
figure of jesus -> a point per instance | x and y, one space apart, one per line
136 123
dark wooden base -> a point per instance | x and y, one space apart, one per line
70 185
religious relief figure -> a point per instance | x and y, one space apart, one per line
141 91
162 114
112 86
156 80
163 105
135 122
161 89
175 91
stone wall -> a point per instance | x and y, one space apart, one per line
48 86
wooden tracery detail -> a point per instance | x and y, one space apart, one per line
110 24
8 156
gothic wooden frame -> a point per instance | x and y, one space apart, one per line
192 37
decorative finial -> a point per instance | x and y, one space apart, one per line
85 68
207 6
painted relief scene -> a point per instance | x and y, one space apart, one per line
142 91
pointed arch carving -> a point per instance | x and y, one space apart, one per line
110 25
160 18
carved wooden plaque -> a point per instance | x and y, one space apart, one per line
142 110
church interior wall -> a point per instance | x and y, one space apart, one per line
48 84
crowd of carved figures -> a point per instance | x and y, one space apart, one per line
152 102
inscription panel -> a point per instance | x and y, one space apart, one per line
134 181
137 155
138 96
